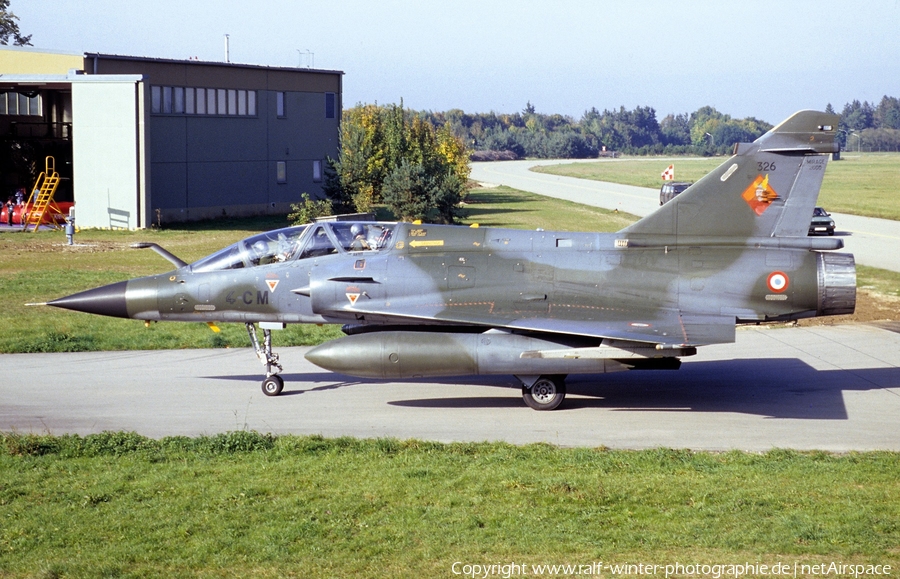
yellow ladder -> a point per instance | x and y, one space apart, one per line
42 196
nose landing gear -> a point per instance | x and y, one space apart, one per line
273 384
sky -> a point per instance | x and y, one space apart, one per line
764 59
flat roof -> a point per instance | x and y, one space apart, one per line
208 63
62 81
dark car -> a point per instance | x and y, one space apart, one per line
671 190
821 222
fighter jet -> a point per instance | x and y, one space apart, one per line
421 300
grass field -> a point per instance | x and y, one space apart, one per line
249 505
243 504
37 267
860 183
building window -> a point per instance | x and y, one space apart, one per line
242 103
280 172
201 101
156 99
167 100
14 103
179 100
279 105
329 105
221 104
317 171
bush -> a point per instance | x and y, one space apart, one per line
308 210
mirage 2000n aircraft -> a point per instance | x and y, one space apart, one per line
432 300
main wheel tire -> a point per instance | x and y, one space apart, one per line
547 393
273 385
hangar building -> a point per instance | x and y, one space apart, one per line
143 141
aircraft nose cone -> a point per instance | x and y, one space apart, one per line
108 300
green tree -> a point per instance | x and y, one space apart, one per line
9 27
381 144
857 116
887 113
447 197
408 191
353 181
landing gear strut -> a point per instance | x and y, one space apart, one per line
273 383
543 392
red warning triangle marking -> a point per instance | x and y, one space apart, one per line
352 298
272 283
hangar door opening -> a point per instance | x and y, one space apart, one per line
35 123
108 151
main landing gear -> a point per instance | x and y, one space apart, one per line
543 392
273 384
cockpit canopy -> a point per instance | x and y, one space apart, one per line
300 242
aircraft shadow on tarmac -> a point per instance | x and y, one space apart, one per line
779 388
329 381
774 388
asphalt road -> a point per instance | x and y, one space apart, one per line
874 242
830 388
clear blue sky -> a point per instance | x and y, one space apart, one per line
764 58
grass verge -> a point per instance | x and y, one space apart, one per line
243 504
859 184
36 267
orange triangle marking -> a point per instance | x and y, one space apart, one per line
352 298
272 283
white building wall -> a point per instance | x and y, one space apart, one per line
108 148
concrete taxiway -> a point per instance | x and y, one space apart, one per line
834 388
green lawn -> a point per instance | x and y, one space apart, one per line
37 267
250 505
860 183
506 207
244 504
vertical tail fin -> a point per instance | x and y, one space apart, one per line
767 189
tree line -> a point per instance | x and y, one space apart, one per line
416 162
635 132
705 131
866 126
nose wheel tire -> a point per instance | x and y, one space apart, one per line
547 393
272 385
